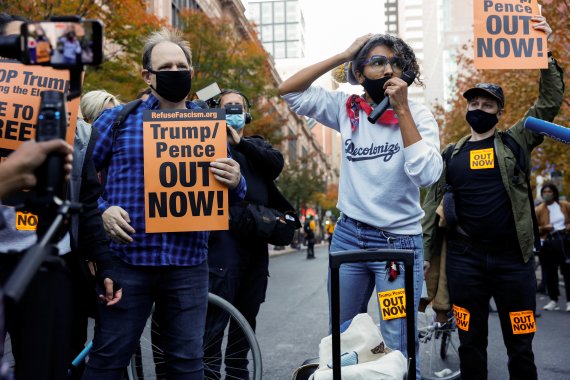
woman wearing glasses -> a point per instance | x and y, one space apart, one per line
383 165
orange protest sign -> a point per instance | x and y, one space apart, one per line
462 317
181 194
522 322
392 304
20 88
504 36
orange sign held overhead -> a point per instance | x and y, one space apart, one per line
504 36
181 194
20 88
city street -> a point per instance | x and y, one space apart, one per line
294 318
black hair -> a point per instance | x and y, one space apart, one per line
6 18
232 91
397 45
227 91
554 189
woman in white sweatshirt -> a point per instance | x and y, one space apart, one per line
383 166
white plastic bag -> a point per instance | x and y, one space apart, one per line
362 346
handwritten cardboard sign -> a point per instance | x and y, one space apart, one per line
504 36
181 194
20 88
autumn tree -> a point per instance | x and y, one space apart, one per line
220 55
521 91
301 184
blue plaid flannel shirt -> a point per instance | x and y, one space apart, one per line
125 188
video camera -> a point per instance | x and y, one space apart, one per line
64 43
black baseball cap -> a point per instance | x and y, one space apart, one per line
488 89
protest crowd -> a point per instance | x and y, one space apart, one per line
175 194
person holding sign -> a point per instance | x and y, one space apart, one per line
489 219
383 166
168 269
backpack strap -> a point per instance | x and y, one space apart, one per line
119 120
522 166
126 111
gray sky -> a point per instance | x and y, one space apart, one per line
332 25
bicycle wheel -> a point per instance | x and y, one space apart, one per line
439 344
230 350
243 363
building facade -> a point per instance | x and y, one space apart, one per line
436 30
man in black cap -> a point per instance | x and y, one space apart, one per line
489 224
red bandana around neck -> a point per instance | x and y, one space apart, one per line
355 103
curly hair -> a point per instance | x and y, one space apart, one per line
397 45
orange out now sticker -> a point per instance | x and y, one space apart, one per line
482 159
462 317
523 322
392 304
26 221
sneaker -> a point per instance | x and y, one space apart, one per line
568 307
552 305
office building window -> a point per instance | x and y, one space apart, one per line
279 50
267 33
279 11
279 32
292 9
266 13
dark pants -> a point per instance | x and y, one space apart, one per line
245 289
475 273
39 324
180 295
553 255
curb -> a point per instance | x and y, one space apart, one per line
289 249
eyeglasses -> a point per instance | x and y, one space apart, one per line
379 62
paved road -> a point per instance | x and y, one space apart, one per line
294 318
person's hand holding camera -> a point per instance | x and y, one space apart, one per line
17 171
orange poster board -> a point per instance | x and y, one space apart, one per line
20 88
181 194
504 36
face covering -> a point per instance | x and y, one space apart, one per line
375 88
173 86
236 121
481 121
548 197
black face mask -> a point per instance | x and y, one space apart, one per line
173 86
375 88
481 121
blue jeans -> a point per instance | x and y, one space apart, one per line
180 295
357 280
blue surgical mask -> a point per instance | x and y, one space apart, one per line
236 121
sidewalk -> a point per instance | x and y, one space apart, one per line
288 249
